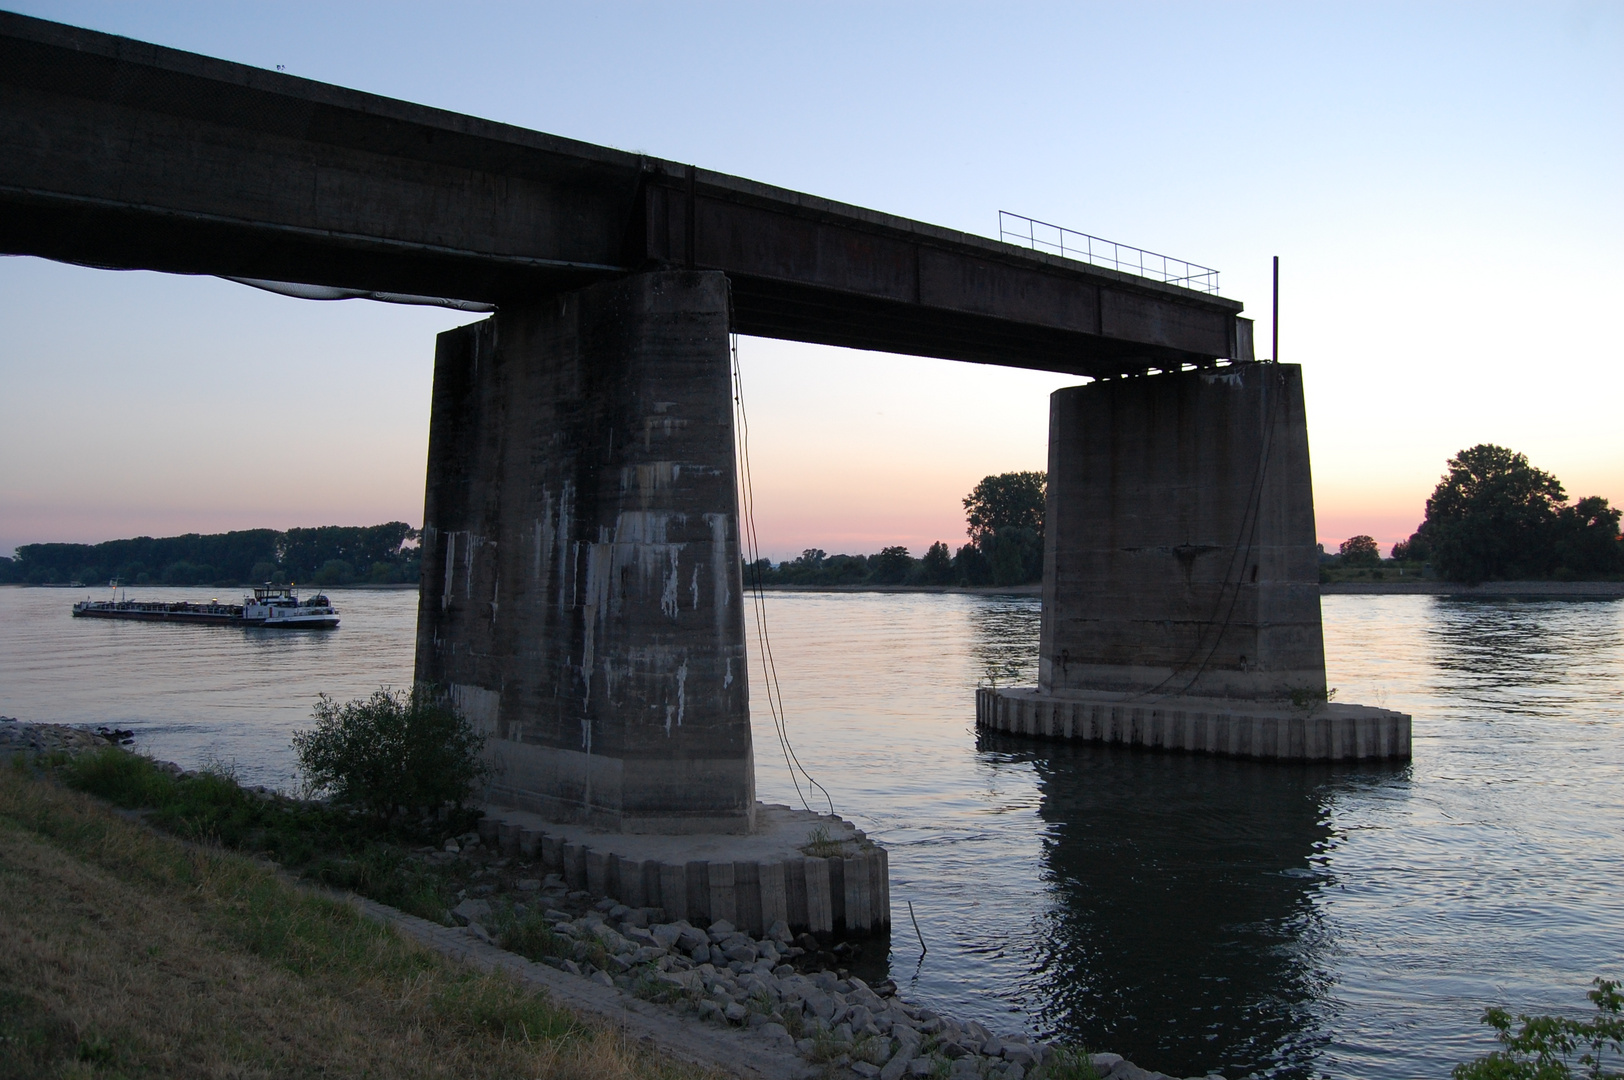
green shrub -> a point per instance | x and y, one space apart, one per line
393 752
1541 1048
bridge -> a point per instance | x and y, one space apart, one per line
581 594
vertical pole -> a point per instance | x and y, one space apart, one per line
1274 349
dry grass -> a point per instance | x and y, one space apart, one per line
128 953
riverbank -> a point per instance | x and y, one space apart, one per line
779 1007
128 952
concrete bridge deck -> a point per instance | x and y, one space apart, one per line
122 154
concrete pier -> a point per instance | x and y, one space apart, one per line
581 577
1181 574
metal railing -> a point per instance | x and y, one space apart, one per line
1071 244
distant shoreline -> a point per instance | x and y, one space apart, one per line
1513 590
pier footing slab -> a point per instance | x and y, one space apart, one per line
1230 728
816 872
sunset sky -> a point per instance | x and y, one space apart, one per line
1441 183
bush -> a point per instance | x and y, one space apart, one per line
1541 1049
393 752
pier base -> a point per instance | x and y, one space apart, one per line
1223 726
816 872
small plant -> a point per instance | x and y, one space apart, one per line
819 844
394 752
1541 1048
1066 1063
529 935
1305 698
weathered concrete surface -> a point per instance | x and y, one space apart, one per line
1180 556
123 154
1223 726
581 583
750 881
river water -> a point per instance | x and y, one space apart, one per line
1189 913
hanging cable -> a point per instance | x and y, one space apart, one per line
752 553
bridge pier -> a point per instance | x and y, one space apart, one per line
1181 575
581 577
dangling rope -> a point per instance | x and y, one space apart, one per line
752 553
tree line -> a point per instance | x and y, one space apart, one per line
326 555
1004 521
1495 517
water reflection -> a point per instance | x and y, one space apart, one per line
1185 926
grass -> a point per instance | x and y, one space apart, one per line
332 846
128 953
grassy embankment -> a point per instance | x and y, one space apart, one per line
126 952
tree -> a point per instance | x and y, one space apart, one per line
1008 500
936 566
1587 540
1360 551
890 566
1491 516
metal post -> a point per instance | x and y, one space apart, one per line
1275 348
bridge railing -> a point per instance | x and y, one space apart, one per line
1071 244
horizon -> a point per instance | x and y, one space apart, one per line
1439 183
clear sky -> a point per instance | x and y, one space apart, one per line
1441 182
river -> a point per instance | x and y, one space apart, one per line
1190 913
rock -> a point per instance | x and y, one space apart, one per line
710 1010
1104 1063
921 1066
471 911
981 1034
774 1033
842 1032
452 846
478 931
894 1068
875 1050
690 939
952 1050
865 1069
602 978
1020 1054
993 1046
720 929
779 932
735 1012
743 954
571 966
1014 1071
965 1068
1127 1070
783 971
859 1017
665 935
529 884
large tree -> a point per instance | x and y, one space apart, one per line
1004 518
1492 516
1008 500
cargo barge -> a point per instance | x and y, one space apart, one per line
272 606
